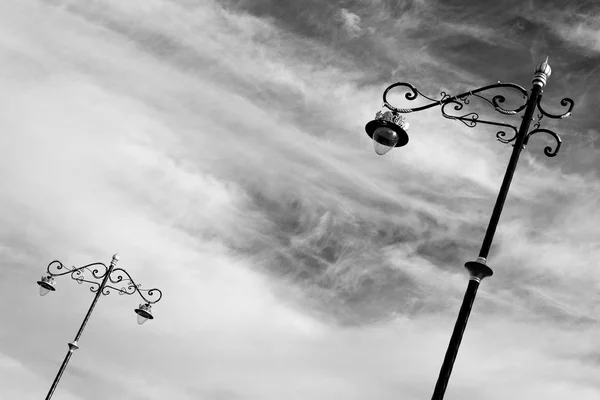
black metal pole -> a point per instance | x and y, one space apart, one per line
478 269
74 345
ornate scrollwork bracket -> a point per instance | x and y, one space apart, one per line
119 275
548 150
456 103
470 119
564 102
97 271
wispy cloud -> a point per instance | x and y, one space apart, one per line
579 26
350 21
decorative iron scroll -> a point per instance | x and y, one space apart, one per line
564 102
495 102
548 150
470 119
55 268
538 122
117 275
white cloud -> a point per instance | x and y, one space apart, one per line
351 22
580 29
583 34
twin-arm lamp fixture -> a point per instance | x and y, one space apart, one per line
101 278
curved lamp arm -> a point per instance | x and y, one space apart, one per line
458 102
495 102
564 102
548 150
119 275
450 104
98 270
472 119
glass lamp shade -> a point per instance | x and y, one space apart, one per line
144 313
141 319
44 291
46 285
386 135
384 139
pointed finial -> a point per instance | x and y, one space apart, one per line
115 258
542 73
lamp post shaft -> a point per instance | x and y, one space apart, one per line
457 334
510 171
74 345
478 269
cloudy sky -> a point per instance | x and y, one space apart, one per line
218 146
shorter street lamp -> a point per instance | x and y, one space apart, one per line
388 130
46 285
102 276
144 313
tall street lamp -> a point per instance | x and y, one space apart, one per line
103 277
388 130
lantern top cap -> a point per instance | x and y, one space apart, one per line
393 117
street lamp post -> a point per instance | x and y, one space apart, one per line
388 130
103 277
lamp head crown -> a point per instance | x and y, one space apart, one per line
395 118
